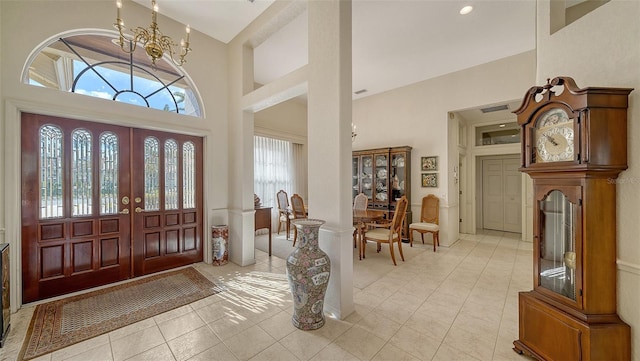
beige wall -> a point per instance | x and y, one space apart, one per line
601 49
418 116
286 120
27 24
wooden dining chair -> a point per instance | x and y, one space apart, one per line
284 212
298 211
360 202
429 215
390 232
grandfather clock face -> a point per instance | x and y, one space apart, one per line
553 137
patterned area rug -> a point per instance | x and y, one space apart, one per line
61 323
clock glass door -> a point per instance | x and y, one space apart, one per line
557 260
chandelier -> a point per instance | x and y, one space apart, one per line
155 43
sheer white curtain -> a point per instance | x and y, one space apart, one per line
273 171
300 170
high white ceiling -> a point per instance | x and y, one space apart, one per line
395 42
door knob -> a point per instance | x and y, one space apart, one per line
125 211
139 210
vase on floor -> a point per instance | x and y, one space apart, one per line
308 269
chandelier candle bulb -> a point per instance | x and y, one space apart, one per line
154 14
118 6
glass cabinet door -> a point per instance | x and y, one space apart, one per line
398 174
367 176
355 173
557 260
381 175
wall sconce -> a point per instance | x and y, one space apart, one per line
353 132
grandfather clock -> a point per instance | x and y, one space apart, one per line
574 145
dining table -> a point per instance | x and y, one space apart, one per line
360 219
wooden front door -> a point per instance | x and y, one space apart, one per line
167 200
78 205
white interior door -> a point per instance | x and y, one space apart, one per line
501 199
512 198
492 194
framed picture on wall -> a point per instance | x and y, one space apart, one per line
429 163
430 180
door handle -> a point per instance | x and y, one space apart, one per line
125 211
139 210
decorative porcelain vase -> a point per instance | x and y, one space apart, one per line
220 245
308 269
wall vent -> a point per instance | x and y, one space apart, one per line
495 109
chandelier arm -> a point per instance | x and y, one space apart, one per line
167 44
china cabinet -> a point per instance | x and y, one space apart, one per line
574 145
383 175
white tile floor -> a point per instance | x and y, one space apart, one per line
457 304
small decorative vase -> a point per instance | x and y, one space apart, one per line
220 245
308 269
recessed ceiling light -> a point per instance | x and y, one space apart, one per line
465 10
502 125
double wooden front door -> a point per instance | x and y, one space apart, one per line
104 203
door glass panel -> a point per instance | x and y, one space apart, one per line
189 175
170 174
151 174
81 172
108 173
557 246
51 182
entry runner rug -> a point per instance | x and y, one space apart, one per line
61 323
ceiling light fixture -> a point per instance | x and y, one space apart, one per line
465 10
154 42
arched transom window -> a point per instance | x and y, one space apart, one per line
93 65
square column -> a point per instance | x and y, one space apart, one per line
329 139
